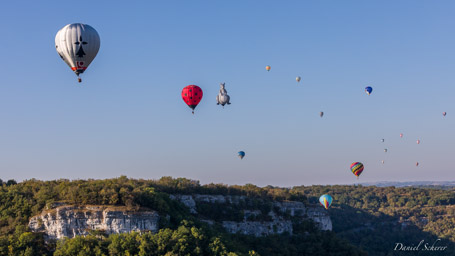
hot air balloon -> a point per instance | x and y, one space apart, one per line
77 44
385 150
222 97
382 140
401 135
297 79
241 154
192 95
368 90
444 113
418 141
417 163
357 169
382 161
321 114
267 68
326 201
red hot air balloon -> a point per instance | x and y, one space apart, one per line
192 95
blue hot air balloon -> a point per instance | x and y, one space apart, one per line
241 154
368 90
326 201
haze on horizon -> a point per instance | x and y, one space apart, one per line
127 117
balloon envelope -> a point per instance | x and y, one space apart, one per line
77 44
241 154
418 141
267 68
401 135
357 168
326 201
321 114
192 95
444 113
368 90
222 98
298 79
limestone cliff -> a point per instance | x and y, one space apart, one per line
258 218
69 221
277 222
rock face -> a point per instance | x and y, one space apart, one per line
258 228
317 214
69 221
276 218
278 224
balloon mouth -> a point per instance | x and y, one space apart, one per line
79 71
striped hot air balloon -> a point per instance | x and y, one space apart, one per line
326 201
357 168
77 44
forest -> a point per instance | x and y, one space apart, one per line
361 216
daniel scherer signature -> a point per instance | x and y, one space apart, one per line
422 246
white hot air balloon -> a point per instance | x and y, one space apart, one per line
222 97
297 79
77 44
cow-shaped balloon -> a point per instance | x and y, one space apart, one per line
222 97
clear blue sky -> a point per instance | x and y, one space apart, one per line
127 117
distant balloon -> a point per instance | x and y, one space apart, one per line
417 164
297 79
326 201
321 114
401 135
267 68
357 168
192 95
222 97
368 90
444 113
385 150
77 44
382 161
382 140
241 154
418 141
